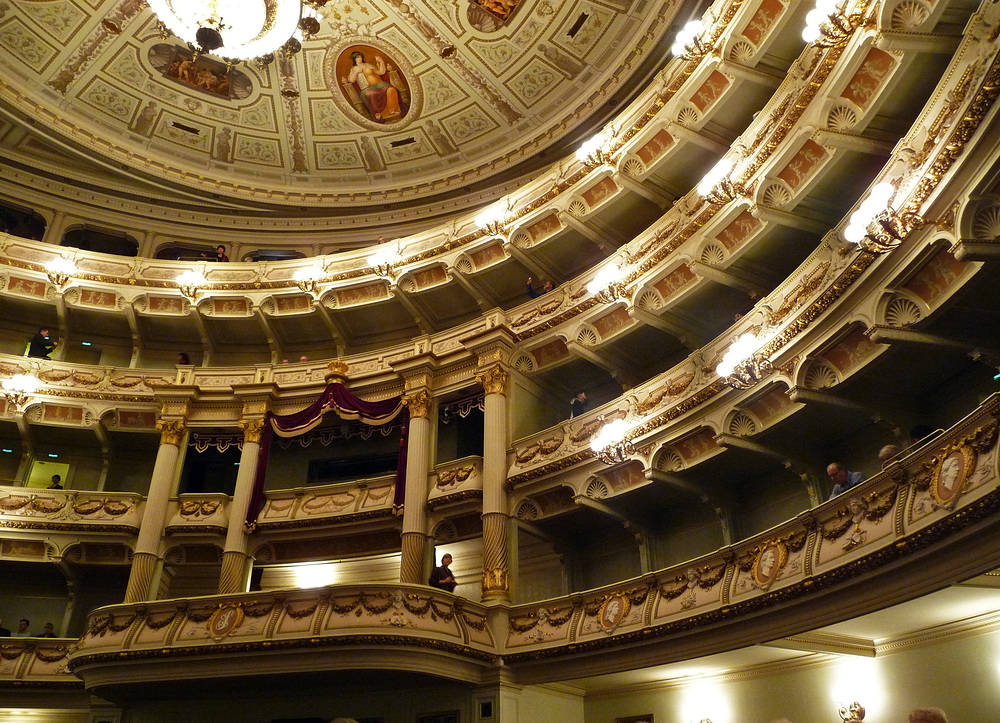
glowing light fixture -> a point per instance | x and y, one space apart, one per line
717 187
190 281
60 269
240 29
688 43
19 388
315 575
826 25
591 151
606 285
891 227
493 220
306 278
385 260
611 444
741 365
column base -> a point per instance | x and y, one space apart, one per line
235 575
140 576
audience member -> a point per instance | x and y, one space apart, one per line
56 482
41 345
886 454
578 405
441 577
303 359
22 629
532 292
183 359
842 478
4 632
927 715
48 631
547 286
219 255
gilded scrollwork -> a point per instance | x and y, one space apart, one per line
419 404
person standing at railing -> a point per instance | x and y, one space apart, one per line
41 345
442 577
842 478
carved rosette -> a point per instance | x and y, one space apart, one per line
494 379
419 404
171 431
252 429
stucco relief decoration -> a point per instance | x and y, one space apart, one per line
373 83
859 510
224 621
199 72
613 611
954 471
686 586
490 15
768 563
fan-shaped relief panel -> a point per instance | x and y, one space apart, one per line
587 336
713 254
820 375
521 239
597 489
668 460
407 284
464 265
741 424
633 167
73 553
264 553
527 510
841 118
776 195
445 531
907 15
902 310
986 223
577 208
648 300
742 52
523 363
688 116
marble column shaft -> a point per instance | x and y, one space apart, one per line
235 560
418 454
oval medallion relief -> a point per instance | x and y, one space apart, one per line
372 83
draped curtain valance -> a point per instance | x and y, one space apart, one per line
335 398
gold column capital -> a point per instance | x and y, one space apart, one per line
419 404
494 379
252 429
171 431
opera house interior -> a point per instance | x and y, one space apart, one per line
673 322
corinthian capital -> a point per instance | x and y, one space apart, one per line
171 431
494 379
252 429
419 404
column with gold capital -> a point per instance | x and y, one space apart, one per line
496 571
235 560
418 452
161 486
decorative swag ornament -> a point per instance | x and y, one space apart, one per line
335 398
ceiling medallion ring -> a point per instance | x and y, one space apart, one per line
349 78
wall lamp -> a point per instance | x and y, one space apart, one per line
611 444
190 281
742 366
60 270
19 388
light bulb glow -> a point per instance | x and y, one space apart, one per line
192 278
589 147
739 351
61 265
611 433
21 384
310 273
605 277
718 173
490 217
385 256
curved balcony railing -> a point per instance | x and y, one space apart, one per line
70 511
36 661
927 520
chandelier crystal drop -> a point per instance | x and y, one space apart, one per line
239 29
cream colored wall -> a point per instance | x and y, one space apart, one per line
961 676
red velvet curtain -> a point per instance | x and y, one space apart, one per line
335 398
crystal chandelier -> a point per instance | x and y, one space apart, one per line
240 29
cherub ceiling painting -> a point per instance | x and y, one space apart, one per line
373 83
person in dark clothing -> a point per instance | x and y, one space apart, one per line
4 632
530 288
56 482
579 404
442 577
219 255
48 631
41 345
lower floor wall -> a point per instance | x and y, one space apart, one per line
959 672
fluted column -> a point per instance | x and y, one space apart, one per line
496 572
418 452
235 560
161 486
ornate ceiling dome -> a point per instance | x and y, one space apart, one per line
389 105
